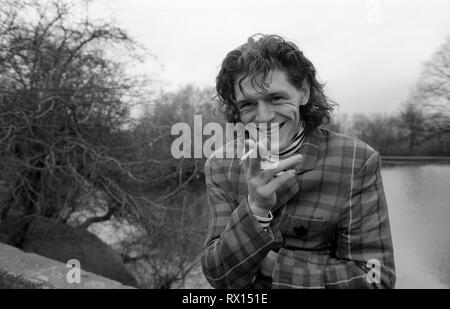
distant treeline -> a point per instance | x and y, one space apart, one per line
422 126
394 135
409 132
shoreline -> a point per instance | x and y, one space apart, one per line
413 160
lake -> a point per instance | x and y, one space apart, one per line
419 208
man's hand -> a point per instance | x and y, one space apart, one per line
263 183
268 264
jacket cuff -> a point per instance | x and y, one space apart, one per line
244 217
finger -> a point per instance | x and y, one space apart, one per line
257 152
254 160
246 152
279 180
271 170
250 159
262 149
249 144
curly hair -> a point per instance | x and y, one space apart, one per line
259 57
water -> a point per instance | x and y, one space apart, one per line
419 207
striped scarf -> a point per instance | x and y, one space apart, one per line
290 150
295 144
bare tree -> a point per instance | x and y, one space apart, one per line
68 144
64 105
432 95
169 245
413 122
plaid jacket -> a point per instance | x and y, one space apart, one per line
328 222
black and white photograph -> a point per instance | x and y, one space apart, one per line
204 145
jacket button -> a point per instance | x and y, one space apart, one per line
300 231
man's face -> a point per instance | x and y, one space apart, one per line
278 103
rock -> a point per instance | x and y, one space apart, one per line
62 243
20 270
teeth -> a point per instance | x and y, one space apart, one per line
268 128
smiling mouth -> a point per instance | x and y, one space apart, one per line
268 129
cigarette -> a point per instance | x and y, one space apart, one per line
245 156
262 151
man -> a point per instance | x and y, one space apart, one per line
320 219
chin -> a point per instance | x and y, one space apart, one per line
278 146
285 138
282 146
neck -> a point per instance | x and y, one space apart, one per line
295 143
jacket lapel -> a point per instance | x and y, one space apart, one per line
310 151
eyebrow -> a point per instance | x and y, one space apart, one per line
265 95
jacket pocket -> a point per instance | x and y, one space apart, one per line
305 233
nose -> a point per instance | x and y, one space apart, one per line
265 112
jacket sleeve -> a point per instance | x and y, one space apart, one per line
363 255
236 243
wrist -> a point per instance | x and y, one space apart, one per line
256 210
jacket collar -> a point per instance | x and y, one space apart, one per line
310 152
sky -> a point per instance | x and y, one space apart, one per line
368 52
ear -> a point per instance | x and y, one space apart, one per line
305 92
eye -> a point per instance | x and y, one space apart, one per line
276 98
245 105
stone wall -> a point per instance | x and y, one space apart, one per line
62 242
28 270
